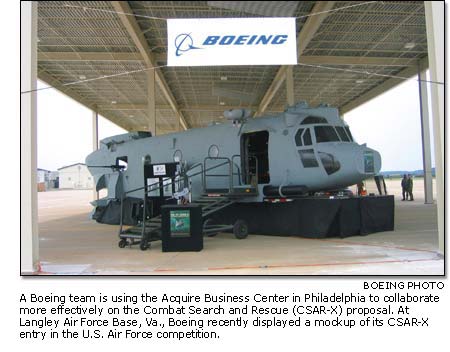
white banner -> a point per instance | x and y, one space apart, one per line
231 41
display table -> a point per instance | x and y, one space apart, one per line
314 217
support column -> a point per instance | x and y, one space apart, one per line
29 237
290 85
426 141
94 144
151 110
434 14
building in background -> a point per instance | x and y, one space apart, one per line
43 178
75 176
54 179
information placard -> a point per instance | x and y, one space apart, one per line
159 170
180 223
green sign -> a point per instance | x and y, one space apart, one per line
180 223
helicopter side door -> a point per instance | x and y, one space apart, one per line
255 157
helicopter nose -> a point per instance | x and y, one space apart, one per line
369 162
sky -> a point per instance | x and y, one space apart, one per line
65 129
389 124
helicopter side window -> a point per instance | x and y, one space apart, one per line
122 162
349 133
340 130
326 134
298 137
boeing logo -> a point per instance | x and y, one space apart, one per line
184 42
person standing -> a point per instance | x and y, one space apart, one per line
410 187
404 187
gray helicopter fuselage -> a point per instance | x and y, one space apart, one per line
310 148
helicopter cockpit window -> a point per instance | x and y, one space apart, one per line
326 134
307 137
340 130
298 137
303 137
308 158
349 133
329 162
313 119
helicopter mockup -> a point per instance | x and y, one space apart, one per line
295 153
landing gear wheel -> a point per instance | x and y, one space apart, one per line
122 243
144 245
240 229
209 222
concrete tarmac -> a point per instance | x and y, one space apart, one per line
72 244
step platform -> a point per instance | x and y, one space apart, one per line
236 192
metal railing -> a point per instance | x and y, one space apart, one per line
200 172
238 174
203 172
149 188
229 175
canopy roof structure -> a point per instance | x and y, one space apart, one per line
347 55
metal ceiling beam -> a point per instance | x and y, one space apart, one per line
94 56
355 60
397 52
310 59
218 108
306 34
124 107
87 56
383 87
131 25
214 108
